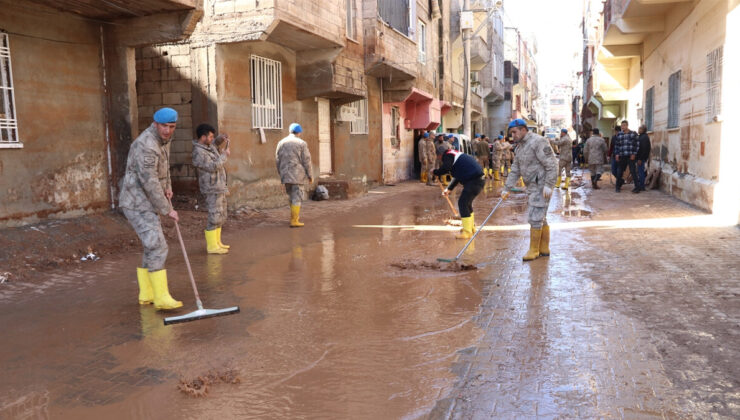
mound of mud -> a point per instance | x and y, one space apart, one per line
199 386
438 266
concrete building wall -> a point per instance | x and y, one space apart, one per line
61 171
398 154
689 154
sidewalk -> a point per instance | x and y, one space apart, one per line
634 315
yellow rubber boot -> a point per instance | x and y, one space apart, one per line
162 299
534 244
545 241
295 211
221 244
146 295
557 183
472 223
567 183
423 177
496 176
212 243
467 230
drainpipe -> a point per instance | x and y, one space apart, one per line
106 117
382 136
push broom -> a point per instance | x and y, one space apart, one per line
480 228
201 313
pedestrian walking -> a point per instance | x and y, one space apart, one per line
565 160
595 154
465 170
294 166
498 154
643 156
146 191
209 163
625 151
536 164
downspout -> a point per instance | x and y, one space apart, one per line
106 117
382 136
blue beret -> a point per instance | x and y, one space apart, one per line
426 135
564 130
500 137
518 123
165 116
295 128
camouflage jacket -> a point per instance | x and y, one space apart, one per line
564 144
595 151
430 150
484 151
147 174
505 150
535 162
293 160
210 166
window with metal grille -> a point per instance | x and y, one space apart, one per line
649 108
674 99
422 42
714 84
267 93
396 13
359 125
8 122
351 26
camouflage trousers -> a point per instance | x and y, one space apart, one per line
216 210
497 163
537 217
596 169
565 164
484 163
149 229
295 193
429 168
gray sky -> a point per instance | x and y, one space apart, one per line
556 25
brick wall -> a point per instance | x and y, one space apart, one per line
163 79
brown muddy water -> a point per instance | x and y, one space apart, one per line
329 327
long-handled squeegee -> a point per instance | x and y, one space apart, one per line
201 313
480 228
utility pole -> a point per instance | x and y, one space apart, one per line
466 88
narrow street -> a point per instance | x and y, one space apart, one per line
634 315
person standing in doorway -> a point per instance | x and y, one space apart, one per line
145 195
595 154
643 155
536 164
625 151
209 164
294 166
422 154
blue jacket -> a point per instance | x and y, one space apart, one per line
463 168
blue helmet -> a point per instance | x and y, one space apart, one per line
295 128
165 116
518 123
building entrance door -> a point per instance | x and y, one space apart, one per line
325 164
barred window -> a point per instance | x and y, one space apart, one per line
359 125
395 121
649 94
714 84
674 99
267 93
397 14
8 122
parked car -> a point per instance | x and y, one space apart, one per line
466 145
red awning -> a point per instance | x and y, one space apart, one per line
423 112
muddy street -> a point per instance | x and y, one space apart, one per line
353 317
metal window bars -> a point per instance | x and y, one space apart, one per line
267 93
8 122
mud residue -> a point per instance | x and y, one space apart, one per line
454 267
199 386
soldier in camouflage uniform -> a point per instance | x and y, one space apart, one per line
209 163
507 154
145 193
430 154
535 162
498 153
565 147
294 166
422 153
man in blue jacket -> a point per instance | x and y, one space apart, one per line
466 171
